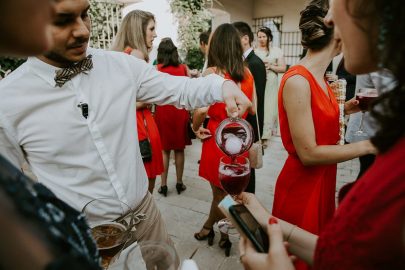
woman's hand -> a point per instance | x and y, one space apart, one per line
203 133
352 106
276 259
260 213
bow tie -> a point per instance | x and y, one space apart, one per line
66 74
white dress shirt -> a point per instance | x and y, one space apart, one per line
81 159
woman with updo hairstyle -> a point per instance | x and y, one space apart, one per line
172 122
309 125
274 62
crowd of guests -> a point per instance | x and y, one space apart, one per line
78 115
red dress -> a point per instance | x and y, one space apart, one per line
305 195
172 122
368 229
211 154
155 166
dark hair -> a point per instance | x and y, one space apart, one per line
265 30
244 30
225 52
167 53
389 51
204 37
315 34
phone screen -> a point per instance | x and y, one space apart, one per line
250 227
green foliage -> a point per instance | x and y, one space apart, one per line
195 59
105 16
192 18
8 64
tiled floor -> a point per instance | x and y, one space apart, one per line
185 214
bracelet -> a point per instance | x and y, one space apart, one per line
290 233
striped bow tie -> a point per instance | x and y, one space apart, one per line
66 74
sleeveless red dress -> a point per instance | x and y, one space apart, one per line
172 122
305 195
211 154
155 166
368 229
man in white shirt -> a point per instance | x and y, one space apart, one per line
71 114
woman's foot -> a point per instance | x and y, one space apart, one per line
163 190
225 244
180 187
206 233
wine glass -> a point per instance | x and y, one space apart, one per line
108 226
234 174
157 255
365 96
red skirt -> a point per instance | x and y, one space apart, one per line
172 124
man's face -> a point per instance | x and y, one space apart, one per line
25 26
70 31
203 48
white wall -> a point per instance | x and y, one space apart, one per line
239 10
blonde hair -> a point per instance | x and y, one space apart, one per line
132 32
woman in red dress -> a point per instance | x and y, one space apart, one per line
309 125
224 58
172 122
136 37
368 228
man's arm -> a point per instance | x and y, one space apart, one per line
183 92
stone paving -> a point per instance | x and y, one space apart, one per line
185 214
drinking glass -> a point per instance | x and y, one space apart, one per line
365 96
234 136
157 255
108 227
234 175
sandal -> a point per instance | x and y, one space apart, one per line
180 187
163 190
209 236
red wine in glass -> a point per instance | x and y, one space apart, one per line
234 174
365 96
365 99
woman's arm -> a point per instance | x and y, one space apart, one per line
198 119
280 67
301 243
297 103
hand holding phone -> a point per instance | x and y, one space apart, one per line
250 227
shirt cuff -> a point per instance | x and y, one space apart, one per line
216 89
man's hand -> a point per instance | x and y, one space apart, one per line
235 100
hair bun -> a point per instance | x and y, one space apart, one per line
315 34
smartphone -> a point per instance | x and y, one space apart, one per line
250 227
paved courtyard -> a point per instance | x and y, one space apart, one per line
185 214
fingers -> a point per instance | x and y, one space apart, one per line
236 101
276 238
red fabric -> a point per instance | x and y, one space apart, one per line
211 154
172 122
155 166
305 195
368 229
